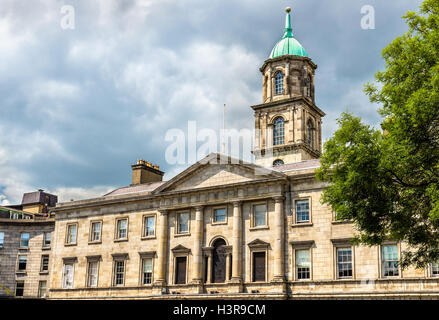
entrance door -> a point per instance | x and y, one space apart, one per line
180 272
259 266
219 261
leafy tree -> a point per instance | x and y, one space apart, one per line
387 182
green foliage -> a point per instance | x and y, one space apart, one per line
388 183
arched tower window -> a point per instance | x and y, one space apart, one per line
278 131
310 133
279 83
277 162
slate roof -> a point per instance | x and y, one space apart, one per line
306 164
144 187
39 197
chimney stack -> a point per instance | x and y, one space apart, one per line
145 172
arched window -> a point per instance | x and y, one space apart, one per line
279 83
219 271
310 134
277 162
278 131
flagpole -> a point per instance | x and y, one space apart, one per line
223 149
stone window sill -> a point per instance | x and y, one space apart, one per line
70 244
303 224
302 280
259 228
46 248
21 272
95 242
219 223
42 273
121 240
148 237
182 235
345 279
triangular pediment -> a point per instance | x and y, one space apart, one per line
180 248
258 243
218 170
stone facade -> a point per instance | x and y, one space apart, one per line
200 190
33 276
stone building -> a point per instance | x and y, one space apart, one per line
25 246
225 228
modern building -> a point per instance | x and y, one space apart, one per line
25 246
228 229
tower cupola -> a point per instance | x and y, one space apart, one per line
288 45
288 122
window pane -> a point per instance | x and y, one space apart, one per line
302 211
46 241
435 269
42 289
71 237
260 214
344 262
149 226
119 268
22 262
122 228
93 274
96 231
279 83
303 265
24 242
19 288
390 260
183 222
68 276
147 271
2 239
278 131
44 263
220 215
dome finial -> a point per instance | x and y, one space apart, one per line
288 45
288 30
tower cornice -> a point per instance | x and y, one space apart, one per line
287 57
286 101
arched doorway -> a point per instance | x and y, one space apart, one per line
219 261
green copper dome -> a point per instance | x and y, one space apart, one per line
288 45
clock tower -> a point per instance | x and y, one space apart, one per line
288 123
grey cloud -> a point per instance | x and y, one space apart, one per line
79 106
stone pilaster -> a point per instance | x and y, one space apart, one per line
197 253
162 248
279 265
236 243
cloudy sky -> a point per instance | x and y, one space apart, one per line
79 106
